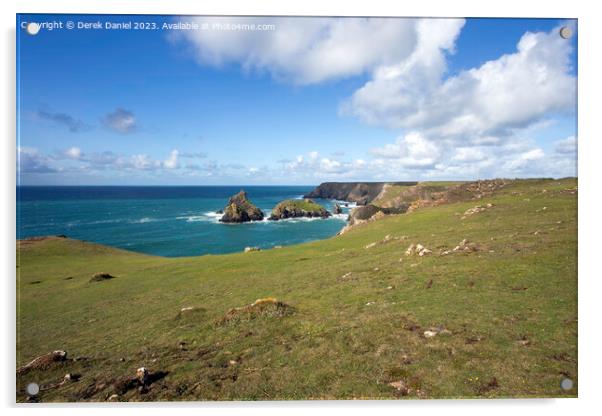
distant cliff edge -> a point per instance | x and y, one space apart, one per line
360 192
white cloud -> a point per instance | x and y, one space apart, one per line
567 146
304 50
511 92
468 154
172 161
144 162
31 160
412 151
524 159
74 153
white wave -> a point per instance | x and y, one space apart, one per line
197 218
144 220
104 222
348 204
213 214
340 217
210 216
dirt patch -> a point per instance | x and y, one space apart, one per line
403 382
409 324
261 308
487 387
142 380
101 277
562 357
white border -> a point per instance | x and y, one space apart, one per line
590 186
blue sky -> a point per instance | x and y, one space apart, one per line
307 101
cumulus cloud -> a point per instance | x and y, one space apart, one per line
567 146
511 92
413 151
121 121
468 154
303 50
74 153
523 159
144 162
63 119
30 160
172 161
314 167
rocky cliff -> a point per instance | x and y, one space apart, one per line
360 192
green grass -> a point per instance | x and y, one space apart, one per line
347 336
300 204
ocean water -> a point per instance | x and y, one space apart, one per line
169 221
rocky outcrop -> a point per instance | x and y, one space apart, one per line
338 209
294 208
366 212
240 209
361 193
370 212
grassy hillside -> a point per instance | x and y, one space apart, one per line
504 317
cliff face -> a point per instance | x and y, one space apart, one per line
360 192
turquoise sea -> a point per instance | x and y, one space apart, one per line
168 221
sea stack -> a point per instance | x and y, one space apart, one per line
240 209
294 208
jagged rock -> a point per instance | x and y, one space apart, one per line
417 249
295 208
424 252
43 362
476 209
240 209
142 375
100 277
338 209
465 246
